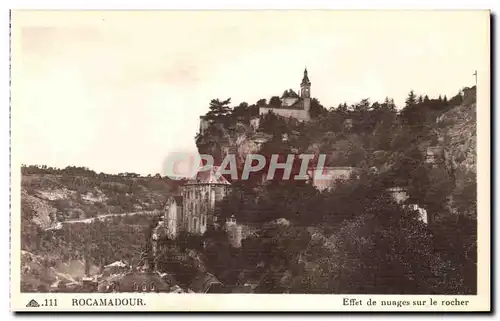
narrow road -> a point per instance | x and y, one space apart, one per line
59 225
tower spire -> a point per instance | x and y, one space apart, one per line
305 79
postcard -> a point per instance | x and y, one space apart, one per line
260 160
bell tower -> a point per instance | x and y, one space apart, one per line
305 86
305 91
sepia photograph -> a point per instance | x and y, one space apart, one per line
292 152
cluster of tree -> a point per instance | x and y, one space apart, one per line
378 246
365 242
102 241
111 193
78 245
361 240
180 257
69 170
30 231
221 113
79 171
373 126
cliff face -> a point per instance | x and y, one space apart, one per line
43 213
239 140
457 135
458 140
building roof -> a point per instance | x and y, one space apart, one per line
290 93
261 137
175 198
209 177
117 264
298 104
203 282
152 282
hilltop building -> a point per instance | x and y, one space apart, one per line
205 123
293 105
469 95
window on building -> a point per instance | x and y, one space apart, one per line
195 224
212 200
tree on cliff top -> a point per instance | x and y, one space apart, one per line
219 110
317 108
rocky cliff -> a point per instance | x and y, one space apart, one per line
457 134
240 140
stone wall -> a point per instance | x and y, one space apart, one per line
330 176
289 101
300 114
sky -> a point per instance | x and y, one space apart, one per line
119 91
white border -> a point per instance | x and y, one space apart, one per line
4 125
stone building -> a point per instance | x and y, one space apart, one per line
255 123
293 105
469 95
172 219
325 178
193 210
169 224
401 195
434 155
204 124
199 197
234 232
348 124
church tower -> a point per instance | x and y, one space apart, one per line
305 91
